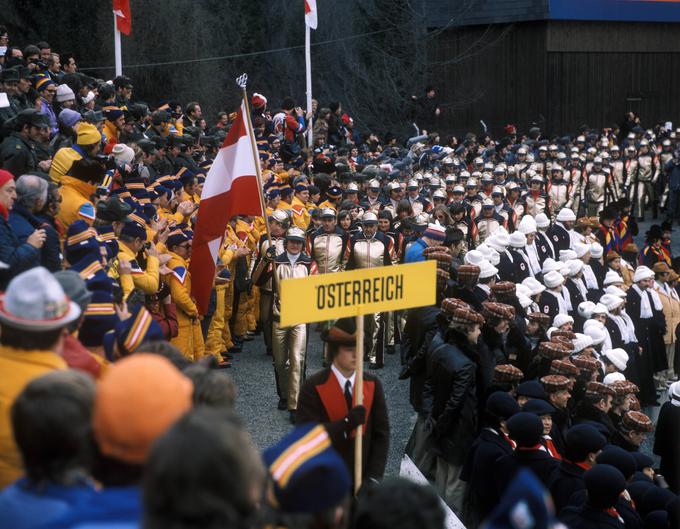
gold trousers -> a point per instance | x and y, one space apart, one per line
289 350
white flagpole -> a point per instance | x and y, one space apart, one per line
308 69
116 46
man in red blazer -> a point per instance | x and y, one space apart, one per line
328 397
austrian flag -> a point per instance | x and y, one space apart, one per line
311 18
230 188
121 8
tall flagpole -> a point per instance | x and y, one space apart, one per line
308 70
242 81
116 47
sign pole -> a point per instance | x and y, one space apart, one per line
358 401
116 47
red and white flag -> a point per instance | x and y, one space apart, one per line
121 8
310 14
230 188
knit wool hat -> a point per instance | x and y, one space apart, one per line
507 373
553 279
618 357
555 383
503 287
88 134
64 93
637 421
123 154
553 350
69 117
581 342
612 277
518 239
599 389
542 220
139 398
642 273
562 319
449 305
565 215
540 318
585 363
498 310
468 274
466 316
486 269
527 225
564 368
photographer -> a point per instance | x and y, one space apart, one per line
77 189
88 145
163 310
672 170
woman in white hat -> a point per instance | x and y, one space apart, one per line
646 312
576 288
552 300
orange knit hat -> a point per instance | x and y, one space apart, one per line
137 400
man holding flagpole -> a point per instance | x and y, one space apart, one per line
231 187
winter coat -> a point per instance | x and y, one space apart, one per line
74 194
18 256
24 223
19 367
449 398
189 339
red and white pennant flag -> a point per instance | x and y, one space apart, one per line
121 8
311 18
230 188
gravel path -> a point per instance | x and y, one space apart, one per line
256 402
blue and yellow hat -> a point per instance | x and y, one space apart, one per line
129 334
307 474
100 318
134 229
81 241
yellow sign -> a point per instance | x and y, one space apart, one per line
338 295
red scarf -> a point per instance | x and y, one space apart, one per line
534 448
4 212
550 447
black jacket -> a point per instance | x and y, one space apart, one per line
540 462
548 304
667 442
506 268
630 516
543 249
589 518
421 326
480 464
585 414
559 237
520 265
450 398
566 479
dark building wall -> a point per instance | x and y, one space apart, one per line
558 75
598 71
473 12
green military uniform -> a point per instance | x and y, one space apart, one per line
17 155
